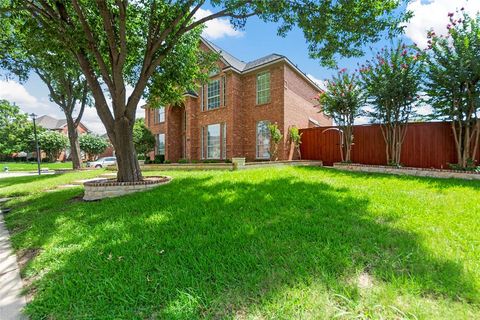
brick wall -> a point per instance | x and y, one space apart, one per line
291 104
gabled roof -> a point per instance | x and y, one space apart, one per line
243 67
51 123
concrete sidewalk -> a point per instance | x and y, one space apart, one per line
11 300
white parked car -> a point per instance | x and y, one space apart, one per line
102 162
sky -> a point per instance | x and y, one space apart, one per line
256 40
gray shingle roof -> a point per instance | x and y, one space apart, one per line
239 64
50 123
262 61
229 59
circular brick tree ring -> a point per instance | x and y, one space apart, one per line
109 188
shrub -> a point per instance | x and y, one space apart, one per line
159 158
183 161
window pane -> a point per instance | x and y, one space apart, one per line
224 141
213 141
213 95
263 140
263 87
161 143
161 114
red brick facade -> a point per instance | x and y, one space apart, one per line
291 104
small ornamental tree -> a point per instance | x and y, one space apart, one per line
143 139
453 83
93 144
296 140
343 101
392 82
52 143
275 138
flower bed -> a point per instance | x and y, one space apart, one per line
109 188
420 172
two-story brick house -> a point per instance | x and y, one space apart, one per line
228 117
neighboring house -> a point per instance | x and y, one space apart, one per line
228 117
54 124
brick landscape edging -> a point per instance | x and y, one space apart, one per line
100 189
419 172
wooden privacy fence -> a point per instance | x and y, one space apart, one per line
426 145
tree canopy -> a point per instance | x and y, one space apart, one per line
15 129
93 144
342 101
52 143
143 138
148 43
453 83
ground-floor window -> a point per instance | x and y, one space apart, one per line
214 141
161 144
263 140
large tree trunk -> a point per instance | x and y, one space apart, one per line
74 144
127 162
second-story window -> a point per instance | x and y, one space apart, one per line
213 95
159 115
263 87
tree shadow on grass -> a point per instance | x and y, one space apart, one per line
214 248
435 183
22 180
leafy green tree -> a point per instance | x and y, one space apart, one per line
155 42
92 144
392 82
52 143
275 139
15 129
23 53
143 139
343 101
453 83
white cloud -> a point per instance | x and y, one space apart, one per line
16 93
318 82
217 28
433 14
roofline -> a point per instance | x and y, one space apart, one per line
284 59
205 42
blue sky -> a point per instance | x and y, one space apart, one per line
256 40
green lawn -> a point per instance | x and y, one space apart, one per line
289 243
32 166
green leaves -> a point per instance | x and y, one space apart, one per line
143 139
343 98
52 143
92 144
393 81
15 129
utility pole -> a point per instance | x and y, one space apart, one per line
34 117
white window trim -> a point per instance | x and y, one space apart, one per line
214 96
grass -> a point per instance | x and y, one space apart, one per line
37 185
288 243
32 166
